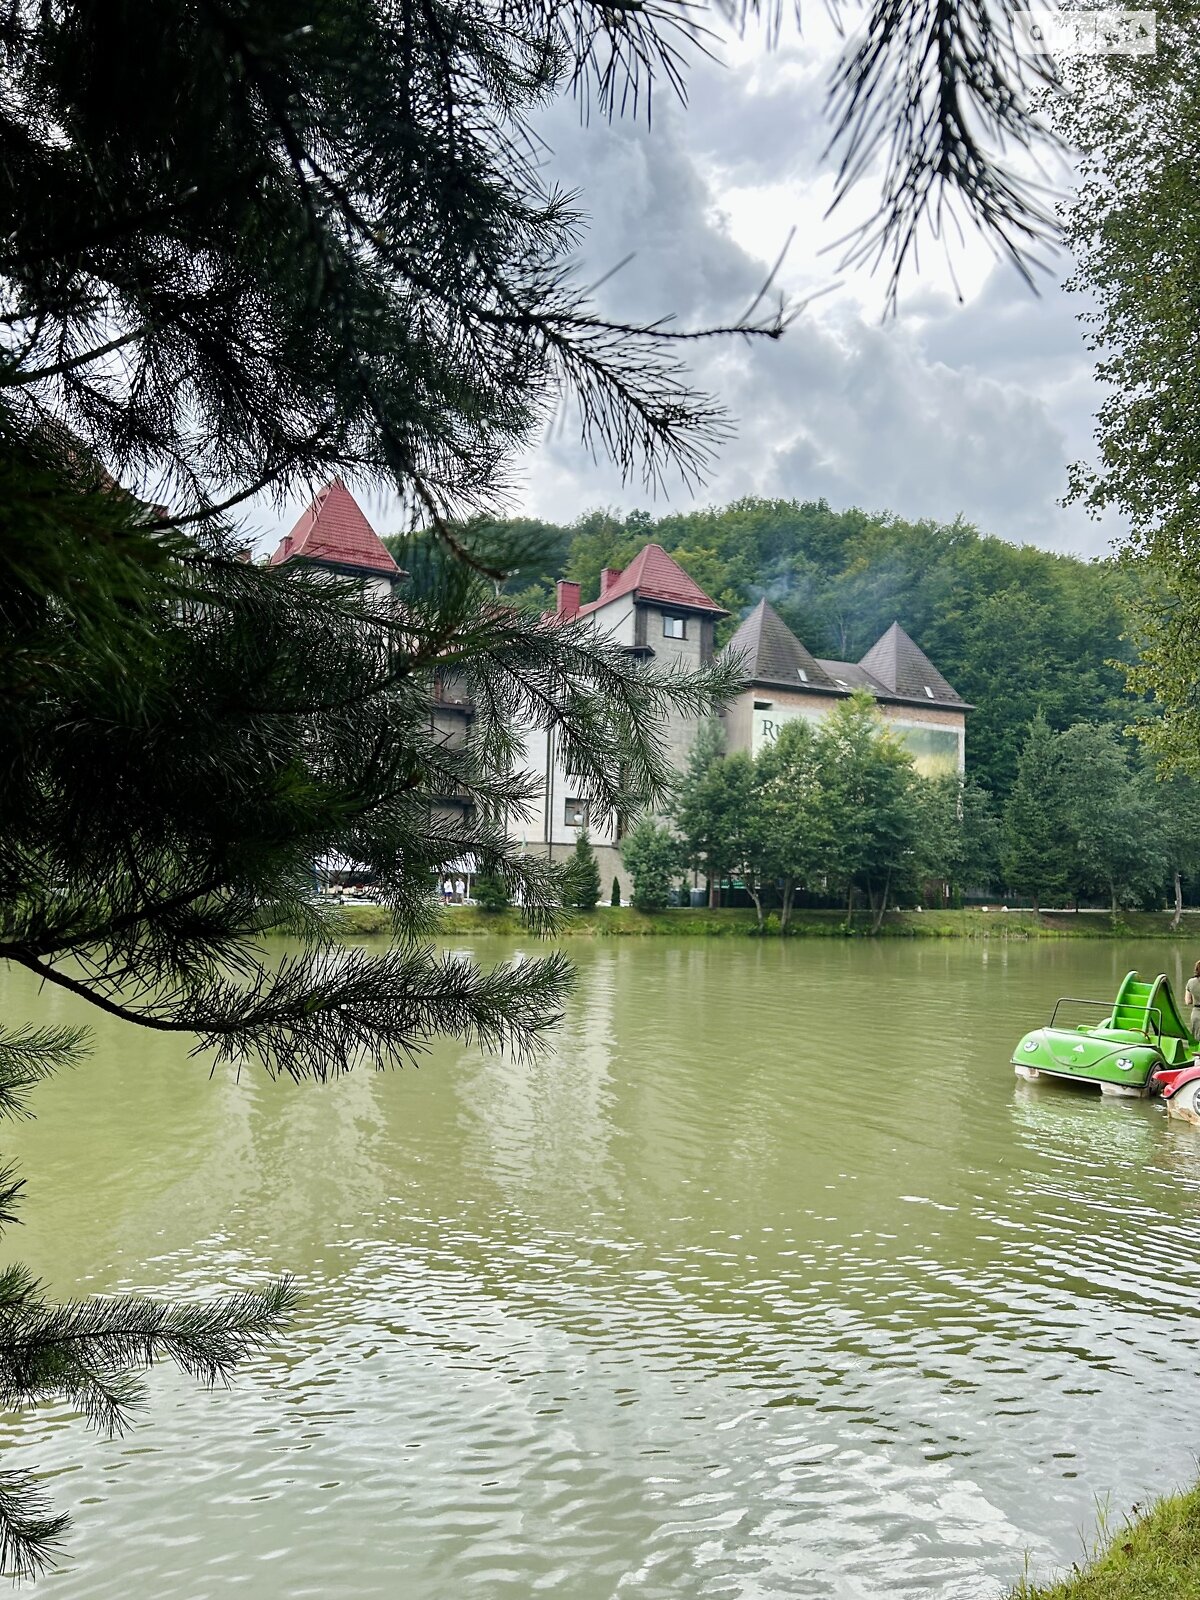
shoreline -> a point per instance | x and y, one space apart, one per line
611 922
1153 1555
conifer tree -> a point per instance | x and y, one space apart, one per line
614 898
582 876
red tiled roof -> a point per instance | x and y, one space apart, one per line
654 575
334 530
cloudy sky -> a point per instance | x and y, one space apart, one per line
949 407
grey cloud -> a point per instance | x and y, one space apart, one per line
946 409
973 409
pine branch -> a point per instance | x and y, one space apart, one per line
28 1056
90 1352
30 1534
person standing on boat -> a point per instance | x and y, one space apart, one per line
1191 994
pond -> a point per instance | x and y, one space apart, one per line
768 1279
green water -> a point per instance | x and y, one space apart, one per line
768 1280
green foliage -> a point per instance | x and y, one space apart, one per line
797 842
651 857
1175 799
582 878
491 892
270 245
1133 229
870 803
1034 860
614 898
701 803
959 841
837 805
1081 820
1110 818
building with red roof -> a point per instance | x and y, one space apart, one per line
333 532
655 609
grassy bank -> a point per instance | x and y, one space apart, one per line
1156 1557
624 922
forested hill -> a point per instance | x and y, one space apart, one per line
1012 627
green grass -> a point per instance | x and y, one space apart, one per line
974 923
1154 1557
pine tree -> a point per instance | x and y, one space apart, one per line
582 879
191 302
614 898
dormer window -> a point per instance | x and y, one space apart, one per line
674 627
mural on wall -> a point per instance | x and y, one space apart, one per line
935 750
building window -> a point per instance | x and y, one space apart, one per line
575 813
674 628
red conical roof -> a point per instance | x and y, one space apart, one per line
655 575
334 531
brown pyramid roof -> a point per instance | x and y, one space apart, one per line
654 575
905 670
771 652
334 532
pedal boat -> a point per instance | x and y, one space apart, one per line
1180 1089
1142 1034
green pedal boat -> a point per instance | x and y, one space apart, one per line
1141 1032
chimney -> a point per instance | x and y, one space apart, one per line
607 578
567 598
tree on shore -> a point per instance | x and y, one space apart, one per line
1034 859
1113 826
869 805
582 876
797 841
491 892
651 856
959 841
733 790
1133 229
1175 804
698 810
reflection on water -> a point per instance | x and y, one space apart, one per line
769 1280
